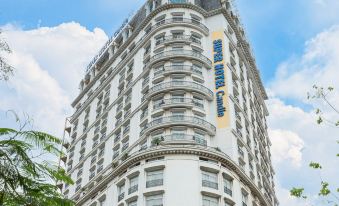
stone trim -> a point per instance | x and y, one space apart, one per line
170 150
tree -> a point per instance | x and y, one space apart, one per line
25 178
330 196
5 69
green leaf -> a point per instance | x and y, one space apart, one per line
297 192
324 191
319 120
315 165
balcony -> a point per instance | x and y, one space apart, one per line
133 189
188 54
154 183
183 138
121 197
115 155
178 102
178 2
186 69
210 184
241 153
176 39
100 168
228 191
117 138
125 146
184 85
91 176
178 120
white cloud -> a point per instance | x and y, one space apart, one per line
287 146
318 65
49 63
296 136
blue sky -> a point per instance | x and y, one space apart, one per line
277 29
296 44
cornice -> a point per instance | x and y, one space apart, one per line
210 153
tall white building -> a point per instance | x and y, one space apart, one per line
171 112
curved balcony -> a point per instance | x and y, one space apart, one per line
187 69
178 120
184 85
178 102
177 39
181 54
183 139
183 21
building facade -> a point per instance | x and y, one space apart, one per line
171 112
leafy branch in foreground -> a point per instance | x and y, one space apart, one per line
6 70
324 191
26 179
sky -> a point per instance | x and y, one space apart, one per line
296 45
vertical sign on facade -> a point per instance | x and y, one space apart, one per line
221 93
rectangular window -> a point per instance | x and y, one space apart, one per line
209 201
155 200
228 184
244 198
154 178
210 179
134 203
178 134
178 17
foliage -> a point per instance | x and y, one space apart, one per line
324 191
26 179
6 70
156 141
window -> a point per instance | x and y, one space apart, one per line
147 49
155 200
196 19
134 203
198 101
159 40
154 178
178 134
176 98
133 185
195 38
160 20
200 138
209 201
177 34
178 17
102 202
228 184
244 198
210 179
178 78
121 192
178 113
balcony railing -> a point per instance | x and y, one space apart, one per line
172 38
186 85
177 69
133 189
181 20
181 53
154 183
125 146
210 184
184 137
115 155
121 196
228 191
179 119
176 101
